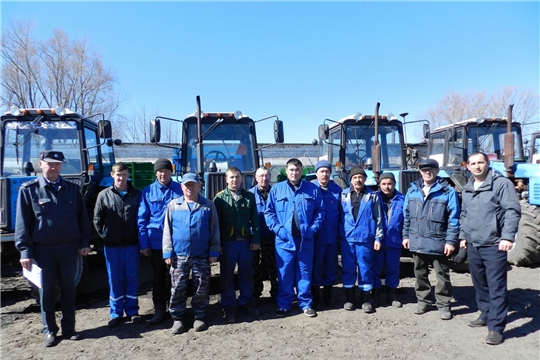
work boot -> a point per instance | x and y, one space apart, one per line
375 297
350 295
199 325
229 314
327 296
391 298
316 294
178 327
158 317
367 306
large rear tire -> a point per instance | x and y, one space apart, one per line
526 250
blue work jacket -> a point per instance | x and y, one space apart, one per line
329 231
279 213
261 206
393 220
154 200
368 225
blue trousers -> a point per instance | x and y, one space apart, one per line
58 263
180 269
357 262
389 257
325 264
236 252
489 276
123 270
294 269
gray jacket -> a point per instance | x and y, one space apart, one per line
491 212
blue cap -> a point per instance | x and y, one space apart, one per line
321 164
189 177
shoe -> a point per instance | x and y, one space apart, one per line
158 317
375 297
178 327
246 309
50 340
310 312
391 298
445 314
229 315
421 309
114 322
367 306
494 338
350 295
281 312
136 319
477 323
199 325
71 335
327 296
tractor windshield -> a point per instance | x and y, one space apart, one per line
24 140
229 144
489 139
359 141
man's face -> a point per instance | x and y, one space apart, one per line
263 179
191 190
387 186
357 182
294 173
478 166
234 180
164 176
323 176
429 175
51 170
120 179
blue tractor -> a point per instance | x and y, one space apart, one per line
501 140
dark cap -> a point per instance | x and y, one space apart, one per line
387 175
323 164
163 164
51 156
357 170
189 177
429 164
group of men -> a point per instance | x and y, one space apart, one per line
289 233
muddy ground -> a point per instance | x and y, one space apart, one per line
389 333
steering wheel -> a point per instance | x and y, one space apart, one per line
218 155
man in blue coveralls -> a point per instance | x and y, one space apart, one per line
325 260
294 212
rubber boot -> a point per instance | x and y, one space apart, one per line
327 296
391 298
375 297
367 306
350 295
316 294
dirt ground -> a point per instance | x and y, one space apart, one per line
389 333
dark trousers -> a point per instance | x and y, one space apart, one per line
58 264
443 288
264 267
488 272
161 284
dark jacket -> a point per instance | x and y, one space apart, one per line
49 217
491 212
115 218
431 223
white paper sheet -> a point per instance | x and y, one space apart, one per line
34 275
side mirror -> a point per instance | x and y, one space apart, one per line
104 129
323 132
426 131
155 131
278 132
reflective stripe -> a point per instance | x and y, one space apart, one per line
118 298
131 297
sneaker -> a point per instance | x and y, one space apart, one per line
445 314
199 325
246 309
229 315
421 309
158 317
477 323
281 312
177 328
136 319
310 312
494 338
114 322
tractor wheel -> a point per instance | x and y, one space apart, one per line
526 250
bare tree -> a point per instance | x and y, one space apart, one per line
56 71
